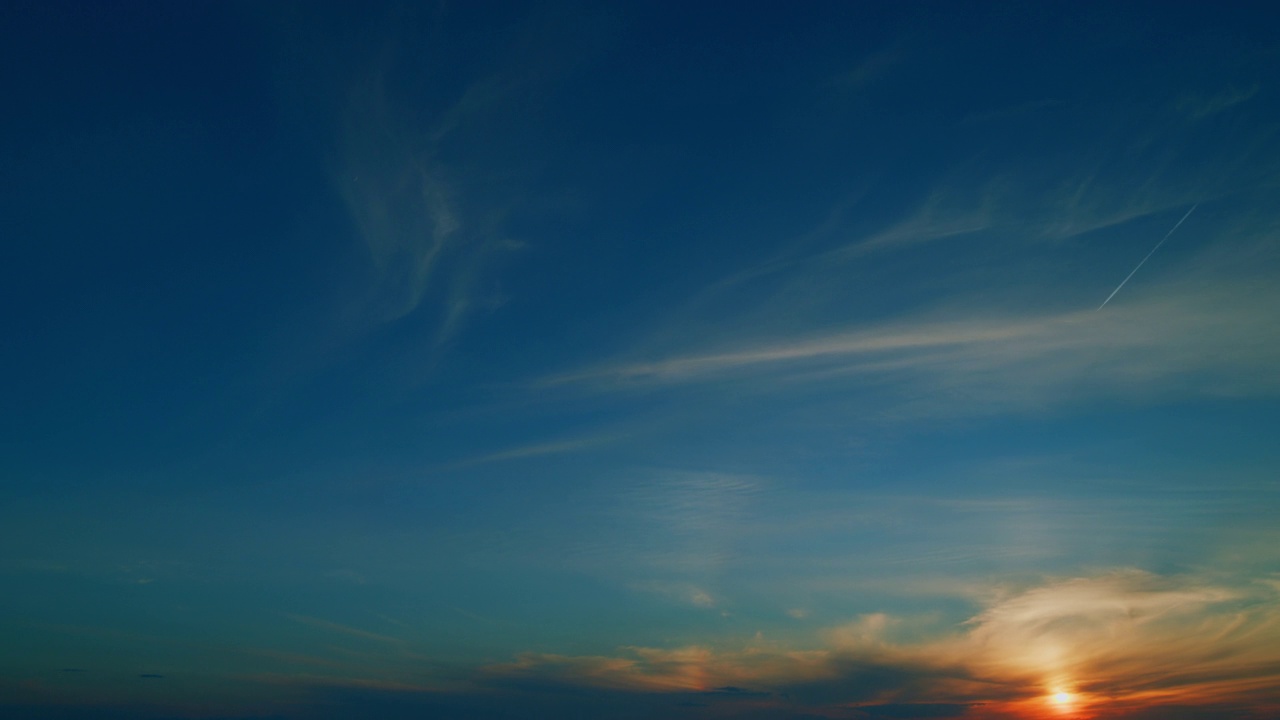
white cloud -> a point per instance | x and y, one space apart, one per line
1184 337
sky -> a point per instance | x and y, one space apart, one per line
779 361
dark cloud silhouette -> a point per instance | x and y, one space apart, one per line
916 710
533 701
870 680
114 712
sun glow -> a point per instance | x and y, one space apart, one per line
1062 701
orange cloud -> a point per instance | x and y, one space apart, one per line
1107 646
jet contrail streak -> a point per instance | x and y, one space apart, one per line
1148 257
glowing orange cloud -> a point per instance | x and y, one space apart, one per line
1095 647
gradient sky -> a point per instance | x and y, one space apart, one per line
489 360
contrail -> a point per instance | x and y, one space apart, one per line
1148 257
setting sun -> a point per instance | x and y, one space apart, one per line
1063 701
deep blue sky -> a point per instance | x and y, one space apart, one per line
586 360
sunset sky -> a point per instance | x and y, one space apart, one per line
768 360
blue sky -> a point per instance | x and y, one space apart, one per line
639 359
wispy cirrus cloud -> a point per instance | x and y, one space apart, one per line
939 217
534 450
1021 218
680 592
413 159
1201 106
405 201
323 624
690 523
1208 341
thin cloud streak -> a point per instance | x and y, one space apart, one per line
522 452
695 366
1187 336
343 629
1148 257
